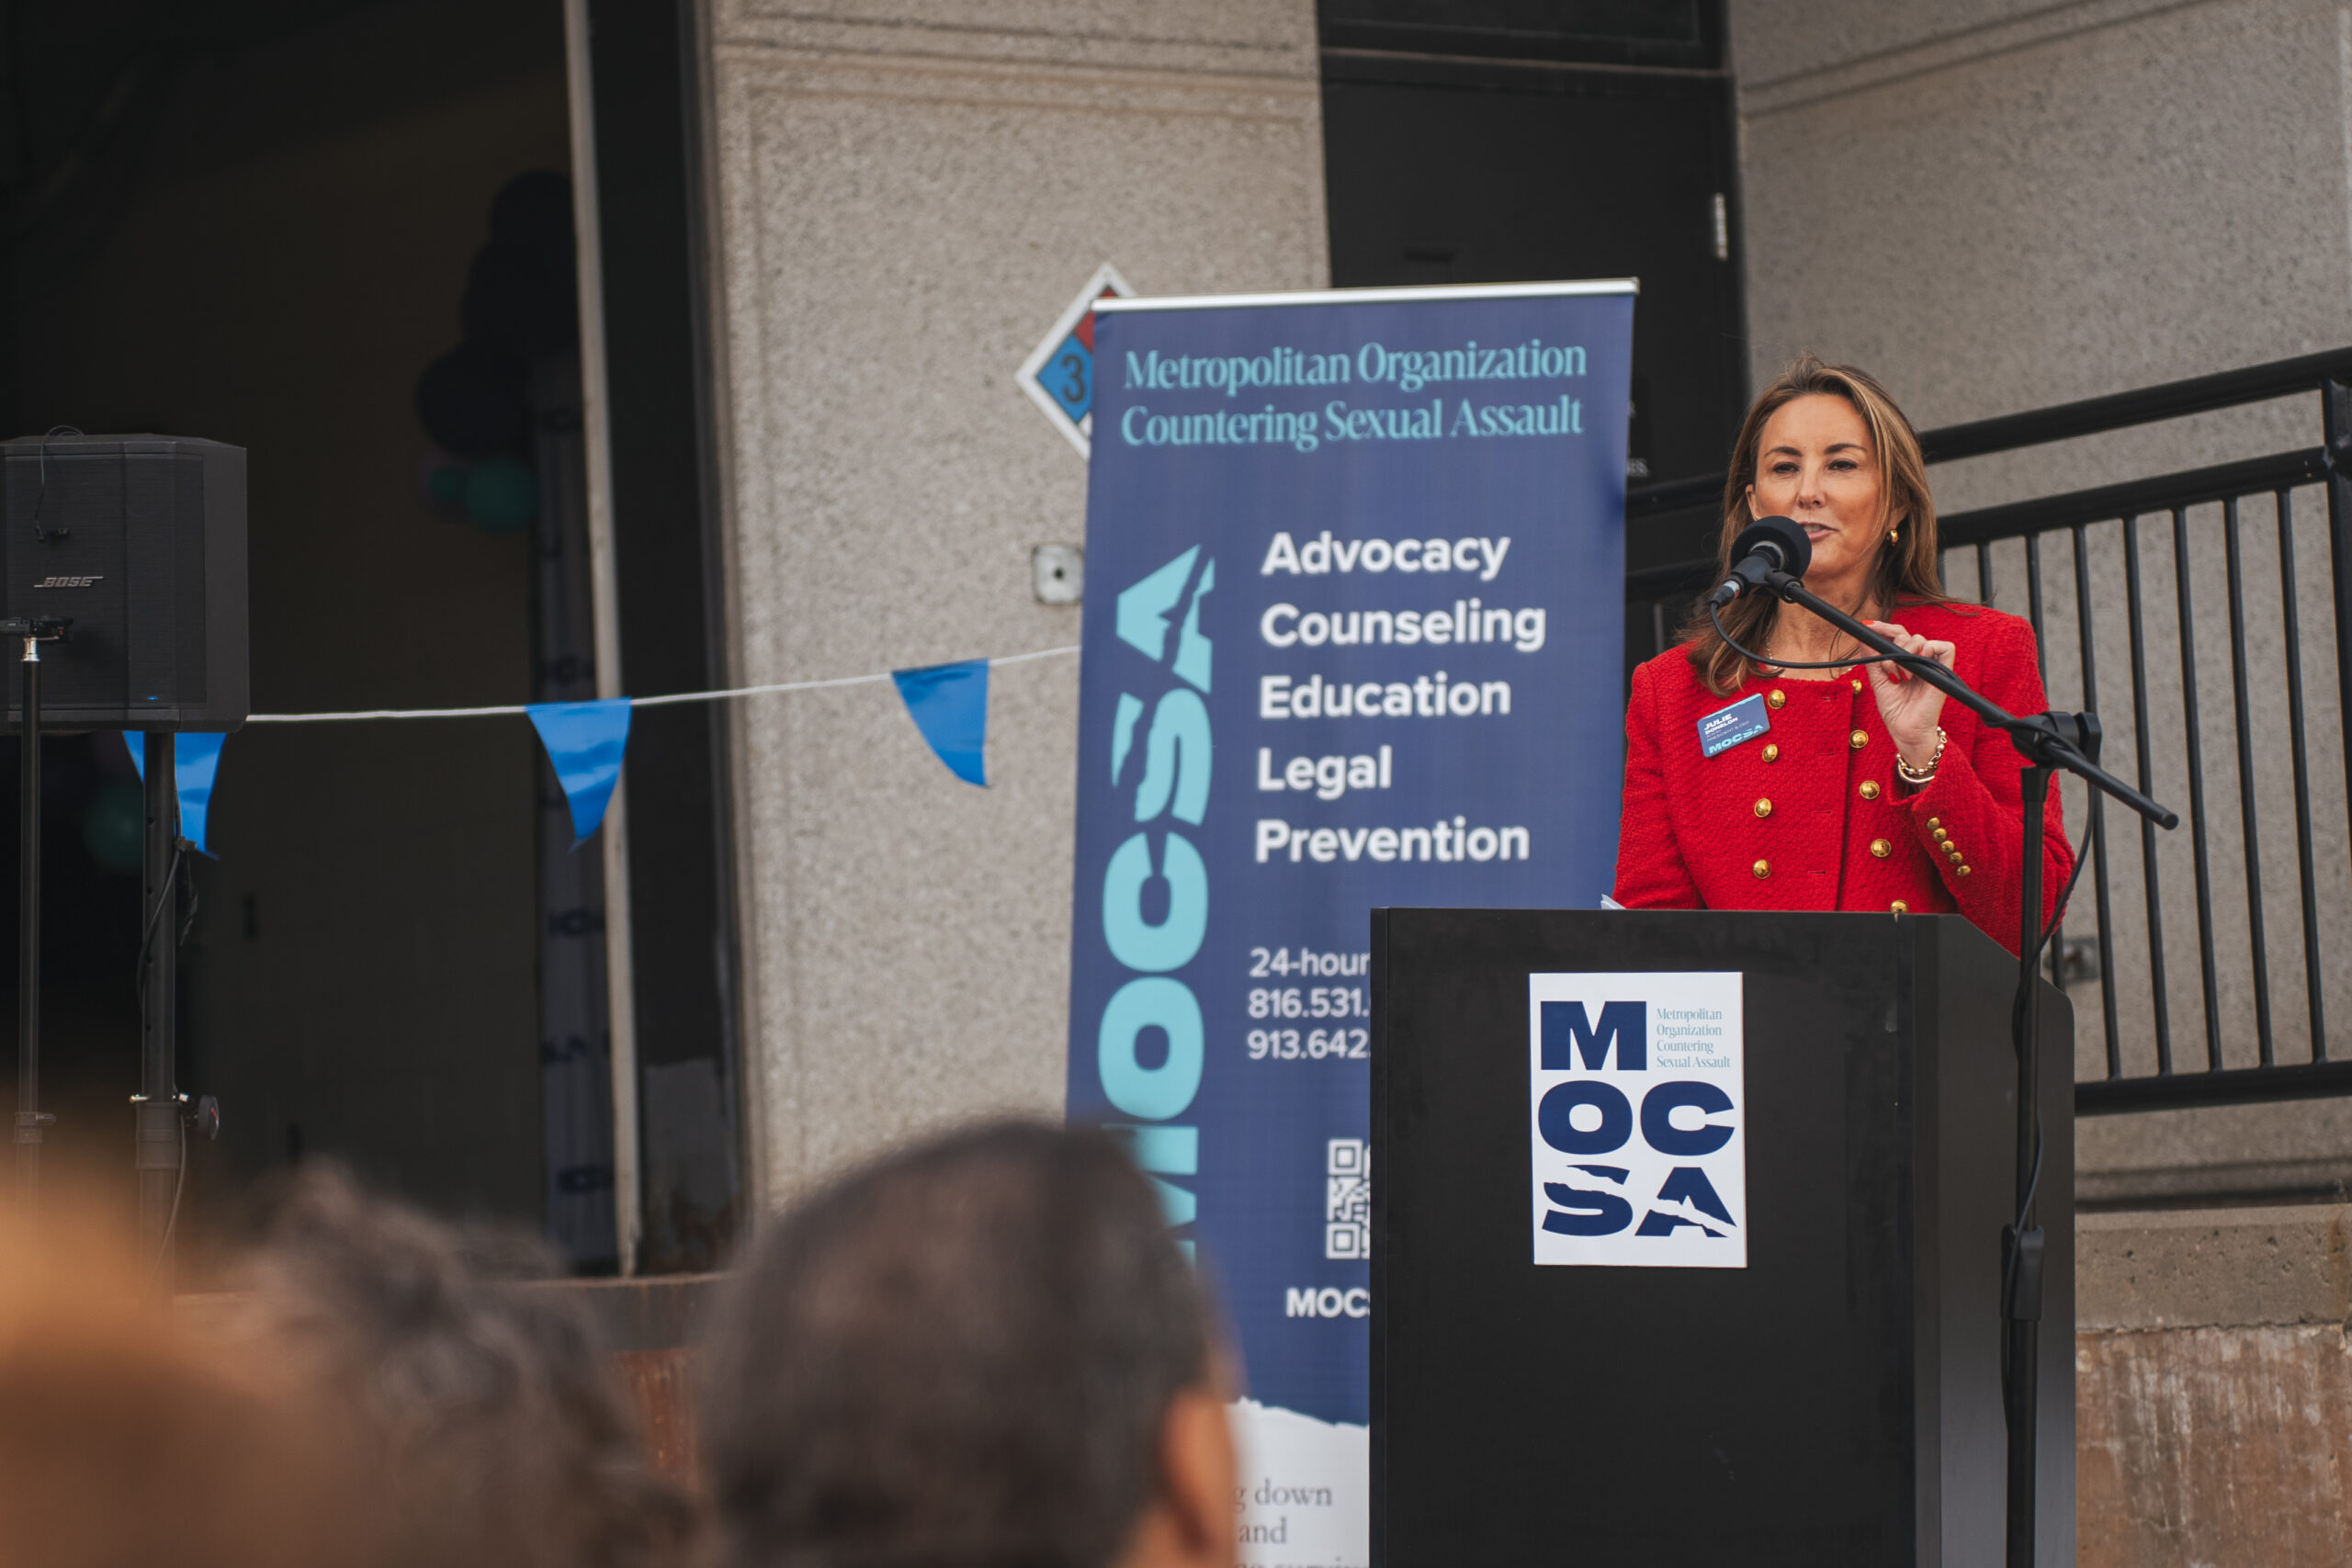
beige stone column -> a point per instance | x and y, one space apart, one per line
905 195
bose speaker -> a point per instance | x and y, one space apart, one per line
139 541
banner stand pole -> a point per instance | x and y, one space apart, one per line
621 982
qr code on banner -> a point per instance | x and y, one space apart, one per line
1347 1200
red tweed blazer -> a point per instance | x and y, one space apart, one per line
1812 815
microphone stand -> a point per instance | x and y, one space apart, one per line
2046 740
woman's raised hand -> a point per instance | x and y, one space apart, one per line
1909 707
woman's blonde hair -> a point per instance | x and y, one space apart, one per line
1907 569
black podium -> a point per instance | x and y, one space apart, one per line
1835 1400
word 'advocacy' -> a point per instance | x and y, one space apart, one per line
1324 554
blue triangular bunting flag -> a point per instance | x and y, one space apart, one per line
949 703
586 741
195 758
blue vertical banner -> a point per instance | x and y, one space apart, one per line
1353 636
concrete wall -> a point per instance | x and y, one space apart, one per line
907 193
2213 1387
2003 204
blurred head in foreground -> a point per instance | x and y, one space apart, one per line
986 1351
484 1404
124 1443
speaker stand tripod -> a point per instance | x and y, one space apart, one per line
30 1119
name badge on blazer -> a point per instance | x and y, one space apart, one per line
1726 727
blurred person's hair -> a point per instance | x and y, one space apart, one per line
486 1402
125 1441
963 1353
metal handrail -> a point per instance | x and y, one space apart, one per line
2066 519
2061 422
2197 487
2147 405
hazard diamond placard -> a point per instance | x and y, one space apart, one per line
1059 376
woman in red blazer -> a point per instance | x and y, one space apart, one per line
1856 787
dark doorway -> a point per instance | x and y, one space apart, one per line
1509 141
262 224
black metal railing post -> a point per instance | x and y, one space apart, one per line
2158 996
2192 727
2335 419
2087 637
2249 824
2289 587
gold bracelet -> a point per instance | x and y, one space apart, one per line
1926 775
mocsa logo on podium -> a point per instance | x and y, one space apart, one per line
1635 1109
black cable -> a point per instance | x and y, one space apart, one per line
41 497
2022 999
146 949
2016 1025
2058 911
147 936
2033 1181
2012 1259
163 900
1904 659
2013 1252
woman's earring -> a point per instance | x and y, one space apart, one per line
1892 534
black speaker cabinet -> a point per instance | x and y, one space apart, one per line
140 542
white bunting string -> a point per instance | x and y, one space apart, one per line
518 709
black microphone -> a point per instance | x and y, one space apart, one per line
1765 545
